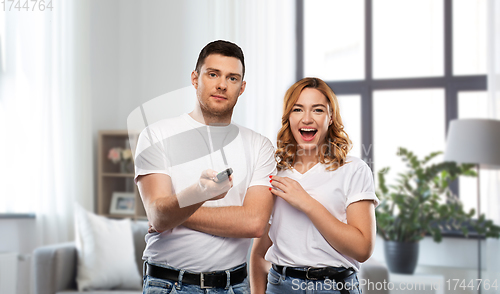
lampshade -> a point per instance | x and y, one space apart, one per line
475 141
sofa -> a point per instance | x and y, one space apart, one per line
54 267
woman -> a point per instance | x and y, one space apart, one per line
323 223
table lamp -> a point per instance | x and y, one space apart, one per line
474 141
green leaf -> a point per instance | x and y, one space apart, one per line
420 196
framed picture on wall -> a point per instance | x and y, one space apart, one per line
122 203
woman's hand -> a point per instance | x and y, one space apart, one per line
292 192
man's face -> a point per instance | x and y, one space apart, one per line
219 84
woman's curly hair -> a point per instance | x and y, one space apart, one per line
334 151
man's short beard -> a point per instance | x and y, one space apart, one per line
211 114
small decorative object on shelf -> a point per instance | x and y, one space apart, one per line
122 203
123 157
115 176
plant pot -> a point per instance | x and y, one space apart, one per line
401 257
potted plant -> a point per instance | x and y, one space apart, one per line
420 204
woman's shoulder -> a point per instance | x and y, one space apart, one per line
355 160
354 163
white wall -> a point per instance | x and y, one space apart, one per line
141 50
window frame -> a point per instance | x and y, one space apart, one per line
452 84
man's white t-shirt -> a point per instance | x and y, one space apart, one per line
296 241
182 148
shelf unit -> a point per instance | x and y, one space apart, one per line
111 179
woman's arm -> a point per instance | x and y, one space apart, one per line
259 267
355 239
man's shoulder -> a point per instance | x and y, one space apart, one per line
253 136
258 142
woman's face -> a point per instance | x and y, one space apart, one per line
310 118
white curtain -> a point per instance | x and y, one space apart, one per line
492 193
265 30
45 116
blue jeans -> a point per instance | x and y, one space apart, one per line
280 284
160 286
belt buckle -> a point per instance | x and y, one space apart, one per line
307 274
202 282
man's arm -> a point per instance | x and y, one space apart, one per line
162 205
247 221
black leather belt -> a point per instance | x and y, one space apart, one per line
313 273
204 280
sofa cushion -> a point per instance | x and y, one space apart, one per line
106 257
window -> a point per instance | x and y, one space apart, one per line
402 70
413 119
339 54
350 111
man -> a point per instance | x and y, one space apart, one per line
204 223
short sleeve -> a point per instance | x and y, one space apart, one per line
150 155
361 186
265 164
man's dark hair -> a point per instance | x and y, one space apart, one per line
223 48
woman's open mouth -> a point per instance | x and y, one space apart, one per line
308 134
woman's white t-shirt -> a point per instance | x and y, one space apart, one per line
296 241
